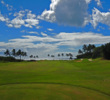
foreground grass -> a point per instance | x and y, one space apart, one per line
55 80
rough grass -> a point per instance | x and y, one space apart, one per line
55 80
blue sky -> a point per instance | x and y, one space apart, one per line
40 27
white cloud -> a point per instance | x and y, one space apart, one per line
2 18
9 7
27 18
20 14
21 18
49 29
48 16
31 22
98 2
100 17
23 31
45 45
32 32
10 25
30 15
2 2
78 39
10 13
72 12
88 1
38 27
17 23
43 34
67 39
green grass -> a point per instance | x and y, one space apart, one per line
55 80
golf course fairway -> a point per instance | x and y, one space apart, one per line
55 80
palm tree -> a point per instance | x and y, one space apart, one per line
14 52
31 56
85 48
89 48
58 55
19 53
93 47
62 54
24 54
67 55
7 52
52 56
71 56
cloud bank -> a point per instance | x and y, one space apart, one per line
48 44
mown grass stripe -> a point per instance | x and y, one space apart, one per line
58 84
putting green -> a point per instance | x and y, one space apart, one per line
44 91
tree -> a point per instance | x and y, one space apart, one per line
97 52
14 52
71 58
90 48
48 55
24 54
85 48
31 56
80 52
62 54
7 52
67 54
52 56
106 51
19 53
93 47
70 55
37 56
58 55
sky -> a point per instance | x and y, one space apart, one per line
42 27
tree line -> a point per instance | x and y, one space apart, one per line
62 55
91 51
19 53
15 53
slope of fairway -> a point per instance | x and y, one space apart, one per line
48 92
55 80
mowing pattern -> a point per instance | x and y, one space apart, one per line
46 83
55 80
48 92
